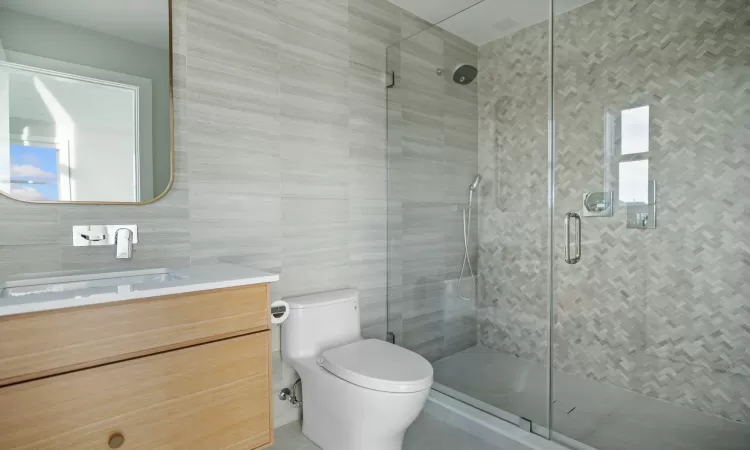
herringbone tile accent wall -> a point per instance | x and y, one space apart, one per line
663 312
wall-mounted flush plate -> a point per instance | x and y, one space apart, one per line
597 204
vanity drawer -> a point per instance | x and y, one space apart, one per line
211 396
51 342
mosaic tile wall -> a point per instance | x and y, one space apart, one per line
662 312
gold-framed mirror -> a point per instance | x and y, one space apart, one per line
86 104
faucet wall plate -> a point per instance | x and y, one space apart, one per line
99 234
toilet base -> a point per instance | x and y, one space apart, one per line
348 442
338 415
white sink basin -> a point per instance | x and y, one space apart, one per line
97 283
82 289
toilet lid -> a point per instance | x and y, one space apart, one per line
378 365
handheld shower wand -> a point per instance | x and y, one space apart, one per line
473 187
475 184
467 230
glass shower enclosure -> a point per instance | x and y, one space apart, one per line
568 227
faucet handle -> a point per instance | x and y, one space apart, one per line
123 243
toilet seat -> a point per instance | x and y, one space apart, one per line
378 365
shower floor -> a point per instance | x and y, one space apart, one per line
592 413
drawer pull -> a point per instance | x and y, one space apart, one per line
116 440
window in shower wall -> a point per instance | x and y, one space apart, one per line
635 130
633 182
634 144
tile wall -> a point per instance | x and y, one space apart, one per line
660 312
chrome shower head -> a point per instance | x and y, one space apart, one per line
475 184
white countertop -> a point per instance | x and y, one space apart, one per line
19 296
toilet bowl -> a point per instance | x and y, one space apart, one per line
357 394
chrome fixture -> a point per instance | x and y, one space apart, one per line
473 187
597 204
475 184
462 74
123 243
96 235
643 216
577 257
467 231
290 395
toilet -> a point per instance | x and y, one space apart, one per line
357 394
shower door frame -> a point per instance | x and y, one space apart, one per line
550 217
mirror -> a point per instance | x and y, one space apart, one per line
85 100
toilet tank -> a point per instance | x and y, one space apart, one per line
318 322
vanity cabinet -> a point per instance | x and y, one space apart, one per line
186 371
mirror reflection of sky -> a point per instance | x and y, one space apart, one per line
37 164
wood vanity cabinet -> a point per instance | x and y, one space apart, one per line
187 371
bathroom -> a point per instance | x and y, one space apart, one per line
538 207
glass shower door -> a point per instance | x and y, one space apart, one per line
652 161
483 328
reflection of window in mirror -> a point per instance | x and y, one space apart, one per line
100 122
35 173
635 130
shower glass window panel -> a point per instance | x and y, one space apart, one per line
633 182
650 330
467 255
634 129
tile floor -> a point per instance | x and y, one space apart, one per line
596 414
427 433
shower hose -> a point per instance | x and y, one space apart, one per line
467 261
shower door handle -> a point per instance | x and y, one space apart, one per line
577 257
